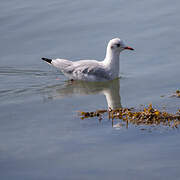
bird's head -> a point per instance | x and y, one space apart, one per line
117 45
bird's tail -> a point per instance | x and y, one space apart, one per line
47 60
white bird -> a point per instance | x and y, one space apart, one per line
93 70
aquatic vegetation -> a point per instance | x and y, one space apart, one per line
176 94
97 113
146 116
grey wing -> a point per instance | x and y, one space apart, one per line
93 70
64 65
99 72
83 69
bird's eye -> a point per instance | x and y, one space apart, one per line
118 45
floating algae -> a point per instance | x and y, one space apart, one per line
97 113
147 116
176 94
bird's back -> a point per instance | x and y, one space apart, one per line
90 70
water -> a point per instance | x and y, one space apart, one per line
41 134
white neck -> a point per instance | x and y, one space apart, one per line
111 61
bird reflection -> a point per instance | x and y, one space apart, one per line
110 89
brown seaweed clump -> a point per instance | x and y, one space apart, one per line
97 113
176 94
146 116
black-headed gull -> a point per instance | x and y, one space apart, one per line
93 70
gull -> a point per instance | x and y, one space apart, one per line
93 70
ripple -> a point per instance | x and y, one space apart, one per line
9 71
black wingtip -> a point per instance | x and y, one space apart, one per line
47 60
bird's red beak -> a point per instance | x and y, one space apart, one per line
129 48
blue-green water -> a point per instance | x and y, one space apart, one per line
41 134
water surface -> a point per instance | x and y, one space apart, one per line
41 134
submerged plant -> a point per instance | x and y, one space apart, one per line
176 94
147 116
